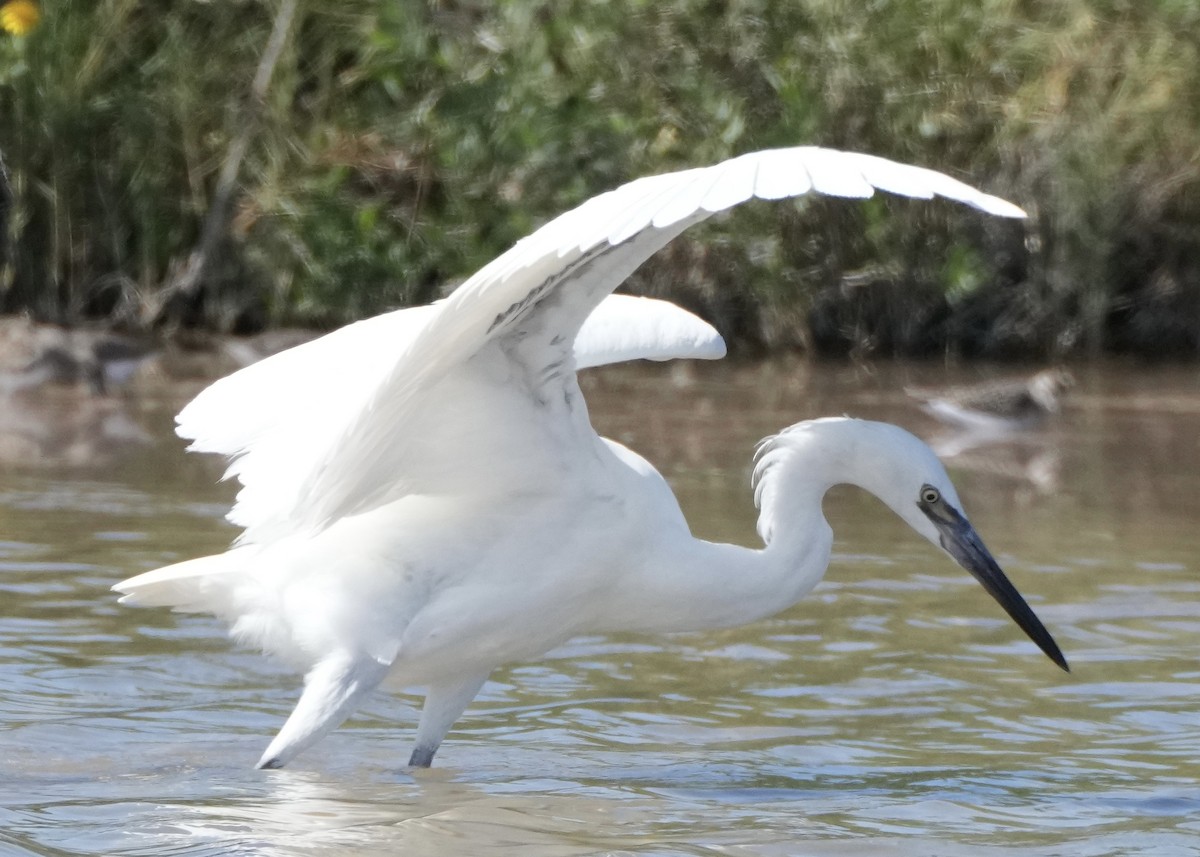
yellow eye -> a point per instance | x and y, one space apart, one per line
930 495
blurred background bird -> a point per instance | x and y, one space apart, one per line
1010 403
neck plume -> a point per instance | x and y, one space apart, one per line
792 472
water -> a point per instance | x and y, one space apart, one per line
896 711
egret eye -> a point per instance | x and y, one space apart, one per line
930 495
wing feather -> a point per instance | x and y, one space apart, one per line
644 197
624 328
687 198
780 175
292 405
734 184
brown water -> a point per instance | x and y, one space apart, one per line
896 711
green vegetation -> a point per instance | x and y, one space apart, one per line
399 145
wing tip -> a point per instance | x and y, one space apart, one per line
1001 208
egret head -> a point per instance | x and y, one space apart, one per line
902 471
911 479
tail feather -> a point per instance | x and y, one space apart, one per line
202 585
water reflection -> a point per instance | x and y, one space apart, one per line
896 711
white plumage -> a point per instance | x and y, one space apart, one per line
424 498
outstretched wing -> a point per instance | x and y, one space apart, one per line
292 406
302 392
512 325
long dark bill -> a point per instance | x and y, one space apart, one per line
962 542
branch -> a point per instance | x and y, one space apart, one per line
216 221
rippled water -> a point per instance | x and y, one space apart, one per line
895 711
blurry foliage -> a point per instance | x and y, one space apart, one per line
19 16
403 144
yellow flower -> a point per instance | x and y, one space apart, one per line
19 16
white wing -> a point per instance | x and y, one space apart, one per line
489 373
292 398
625 327
292 405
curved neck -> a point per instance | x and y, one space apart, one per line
699 584
689 584
713 585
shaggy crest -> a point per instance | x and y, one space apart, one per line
771 457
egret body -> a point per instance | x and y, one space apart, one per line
424 498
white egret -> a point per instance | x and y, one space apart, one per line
424 498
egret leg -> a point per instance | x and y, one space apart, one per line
332 690
444 703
